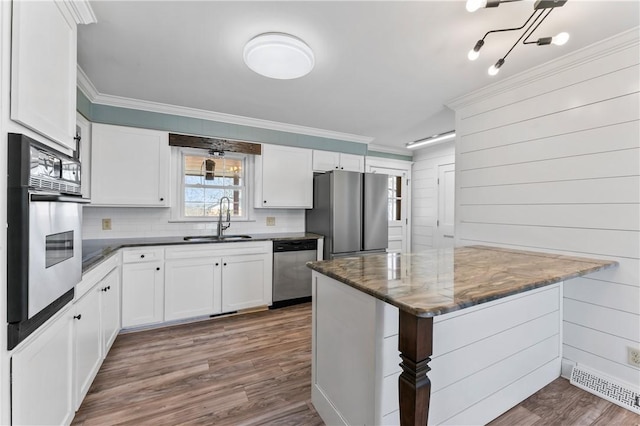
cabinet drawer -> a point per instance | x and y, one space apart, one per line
149 254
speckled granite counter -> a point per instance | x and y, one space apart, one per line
435 282
96 251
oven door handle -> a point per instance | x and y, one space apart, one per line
59 198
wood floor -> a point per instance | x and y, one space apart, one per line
255 369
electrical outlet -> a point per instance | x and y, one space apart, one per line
106 224
271 221
633 356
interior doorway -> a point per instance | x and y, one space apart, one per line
444 234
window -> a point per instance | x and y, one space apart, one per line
395 198
206 179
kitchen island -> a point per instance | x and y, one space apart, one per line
487 320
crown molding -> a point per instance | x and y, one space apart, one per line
95 97
82 11
587 54
390 150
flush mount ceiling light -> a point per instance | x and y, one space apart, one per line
278 55
432 139
541 9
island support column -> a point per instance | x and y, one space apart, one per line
415 344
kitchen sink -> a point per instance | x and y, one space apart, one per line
217 238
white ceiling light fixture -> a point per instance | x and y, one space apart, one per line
432 139
279 55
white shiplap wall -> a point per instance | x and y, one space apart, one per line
424 192
550 161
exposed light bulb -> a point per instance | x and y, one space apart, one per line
493 69
560 39
473 55
473 5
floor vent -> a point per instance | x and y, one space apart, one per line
605 387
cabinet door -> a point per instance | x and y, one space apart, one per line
41 370
323 161
129 166
142 293
245 282
352 163
88 342
109 289
43 69
190 287
287 177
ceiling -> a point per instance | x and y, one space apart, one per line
384 70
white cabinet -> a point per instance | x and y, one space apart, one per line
43 69
324 161
284 177
245 283
88 342
217 278
110 308
129 166
192 287
42 373
142 287
96 314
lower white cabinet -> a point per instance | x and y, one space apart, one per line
142 287
96 320
42 374
88 342
109 289
192 288
245 283
216 278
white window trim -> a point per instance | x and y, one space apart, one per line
176 178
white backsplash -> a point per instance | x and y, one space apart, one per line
154 222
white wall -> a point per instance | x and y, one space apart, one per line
424 193
154 222
550 161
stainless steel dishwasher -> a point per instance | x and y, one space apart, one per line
291 278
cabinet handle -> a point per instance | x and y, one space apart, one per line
161 199
265 201
104 289
336 167
341 168
77 316
224 264
142 256
217 264
158 268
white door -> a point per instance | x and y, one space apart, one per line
189 287
243 282
398 207
444 235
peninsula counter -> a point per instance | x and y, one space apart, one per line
488 319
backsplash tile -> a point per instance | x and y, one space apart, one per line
154 222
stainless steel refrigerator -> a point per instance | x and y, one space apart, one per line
350 210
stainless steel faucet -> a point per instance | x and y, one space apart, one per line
222 227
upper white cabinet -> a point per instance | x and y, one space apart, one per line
284 178
129 166
43 69
324 161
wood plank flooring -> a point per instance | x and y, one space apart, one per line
255 369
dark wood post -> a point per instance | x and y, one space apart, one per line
415 344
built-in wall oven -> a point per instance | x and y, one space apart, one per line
44 242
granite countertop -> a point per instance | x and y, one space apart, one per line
96 251
438 281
